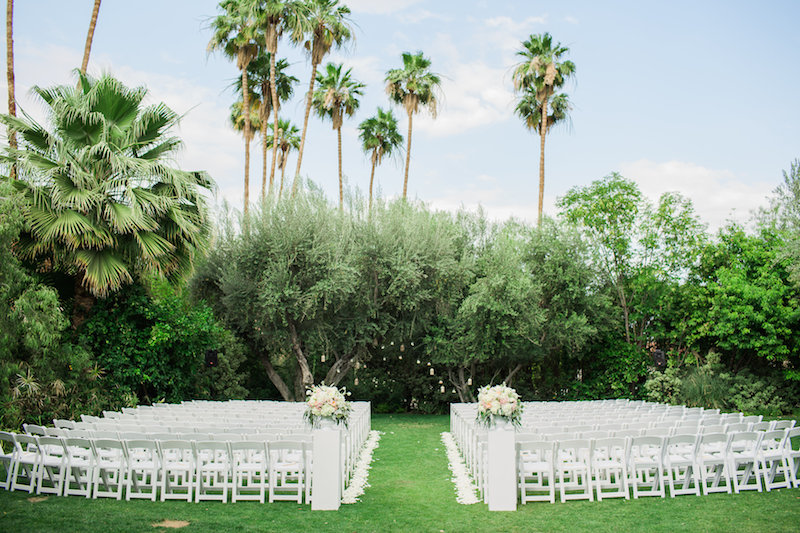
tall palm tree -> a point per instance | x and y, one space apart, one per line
379 138
258 72
102 202
288 140
529 109
12 102
238 119
234 33
90 36
326 24
337 97
413 86
542 70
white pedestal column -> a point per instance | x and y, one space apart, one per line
326 476
502 482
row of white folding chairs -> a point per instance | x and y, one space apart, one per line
175 469
629 430
648 466
634 418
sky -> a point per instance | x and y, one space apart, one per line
694 97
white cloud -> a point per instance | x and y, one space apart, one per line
420 15
717 195
366 69
380 7
571 19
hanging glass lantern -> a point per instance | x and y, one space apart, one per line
429 363
469 381
441 389
440 382
355 382
322 359
400 357
431 371
417 361
391 343
412 344
375 342
402 347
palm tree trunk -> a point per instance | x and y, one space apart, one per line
12 102
371 178
272 79
309 97
542 134
90 36
339 148
283 171
264 145
408 157
246 111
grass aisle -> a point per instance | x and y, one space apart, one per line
410 491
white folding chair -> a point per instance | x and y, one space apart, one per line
743 460
712 463
645 466
679 463
773 461
24 463
141 469
250 467
213 470
108 476
51 472
6 459
287 476
80 467
536 470
178 466
783 424
609 464
573 469
33 429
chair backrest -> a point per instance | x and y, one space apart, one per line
61 423
773 439
761 426
51 446
615 447
783 424
55 432
737 428
745 440
628 433
720 428
33 429
753 419
147 450
108 447
713 442
7 449
25 443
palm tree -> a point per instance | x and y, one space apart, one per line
542 71
529 109
234 33
90 36
335 98
102 202
238 119
326 24
12 102
258 72
379 138
413 86
288 139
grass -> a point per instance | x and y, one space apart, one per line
410 491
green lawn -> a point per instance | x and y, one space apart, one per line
411 491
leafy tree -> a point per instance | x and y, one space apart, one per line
784 215
542 71
325 24
335 98
414 86
640 249
379 138
234 33
101 202
288 140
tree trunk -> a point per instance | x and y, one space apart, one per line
309 97
339 370
305 370
408 156
82 302
623 301
246 111
283 171
90 36
339 149
371 179
12 102
542 134
276 379
274 90
264 145
511 374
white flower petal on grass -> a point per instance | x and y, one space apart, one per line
359 480
465 488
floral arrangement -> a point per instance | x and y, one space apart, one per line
327 402
501 402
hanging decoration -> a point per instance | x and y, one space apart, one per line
431 371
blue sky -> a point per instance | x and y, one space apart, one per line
696 97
